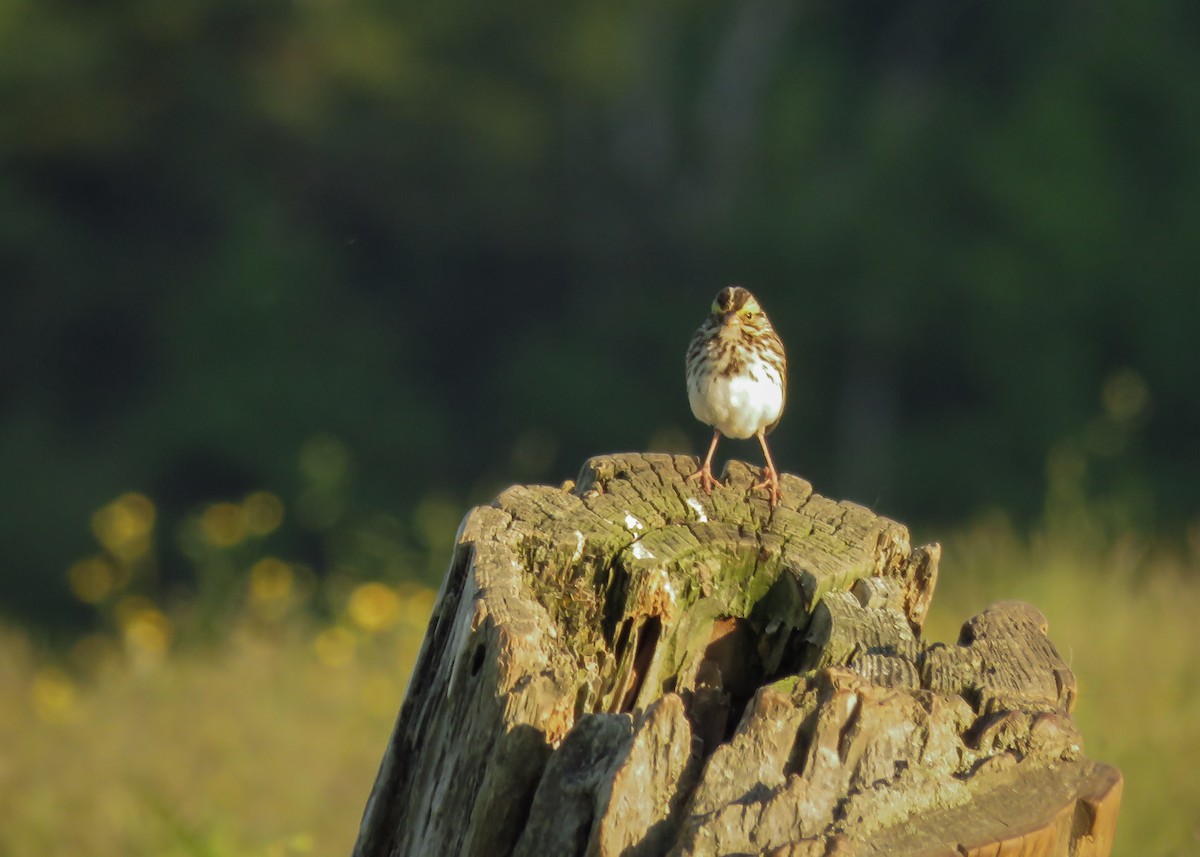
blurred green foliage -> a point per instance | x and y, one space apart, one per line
381 259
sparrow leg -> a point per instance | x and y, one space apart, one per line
705 474
770 474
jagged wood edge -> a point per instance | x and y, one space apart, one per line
532 527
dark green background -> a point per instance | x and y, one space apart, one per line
463 244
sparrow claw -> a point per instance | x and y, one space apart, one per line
707 480
771 483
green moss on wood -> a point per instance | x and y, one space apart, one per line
635 541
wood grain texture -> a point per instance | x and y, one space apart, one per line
626 666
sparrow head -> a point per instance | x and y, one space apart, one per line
733 304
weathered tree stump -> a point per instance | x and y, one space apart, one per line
629 667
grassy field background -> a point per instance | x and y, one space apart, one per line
264 739
1124 616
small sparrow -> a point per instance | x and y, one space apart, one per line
737 379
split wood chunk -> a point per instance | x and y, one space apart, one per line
627 666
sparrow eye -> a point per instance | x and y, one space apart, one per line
747 314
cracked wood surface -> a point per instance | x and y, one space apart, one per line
627 666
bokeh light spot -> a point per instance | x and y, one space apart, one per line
145 629
124 526
149 631
223 524
335 646
92 579
53 695
263 513
374 607
271 580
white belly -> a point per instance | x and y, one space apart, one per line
738 407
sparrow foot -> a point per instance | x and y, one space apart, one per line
771 483
706 478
